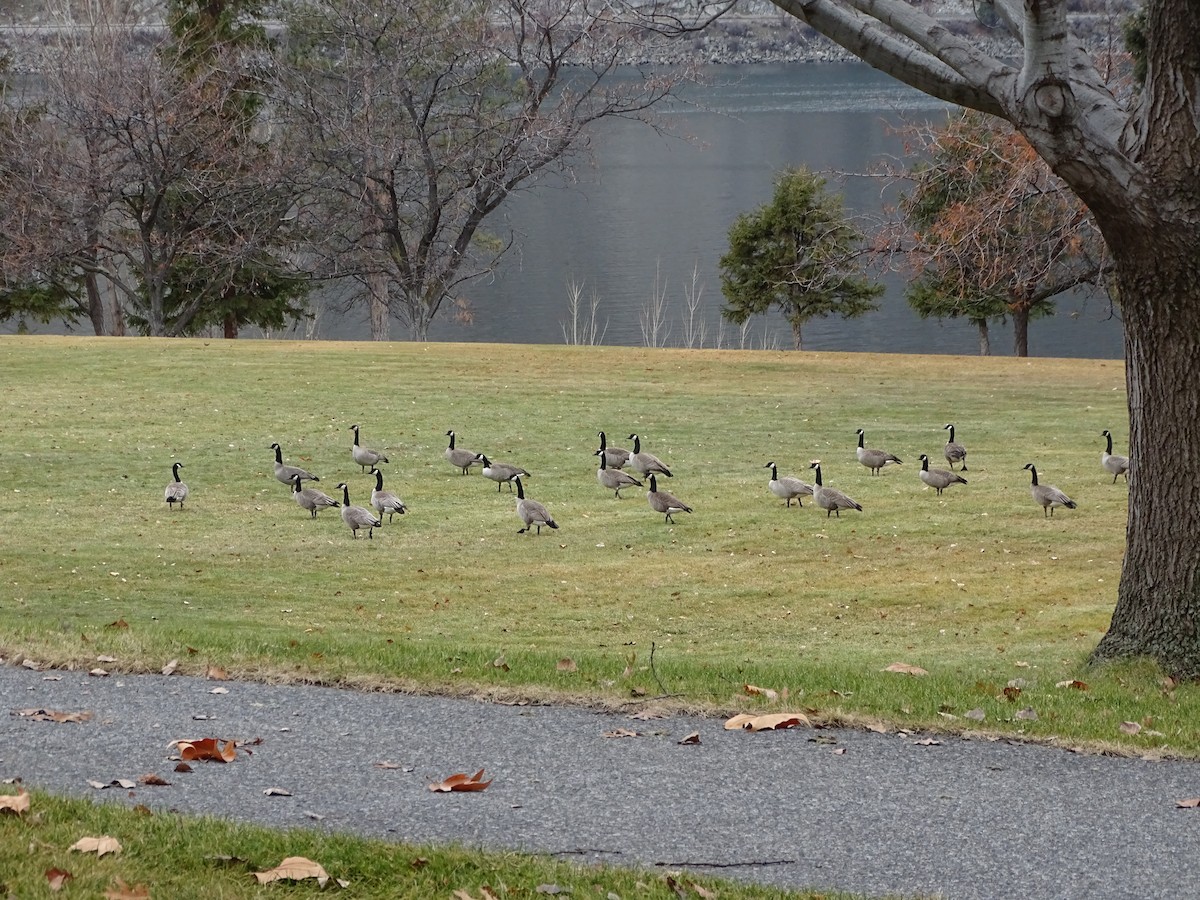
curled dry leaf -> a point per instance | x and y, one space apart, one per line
774 722
99 673
1073 683
56 878
1189 803
294 868
622 733
124 783
169 668
736 723
928 742
1130 727
97 845
50 715
461 782
216 673
276 792
15 803
766 693
693 738
905 669
213 749
122 891
154 780
650 712
182 767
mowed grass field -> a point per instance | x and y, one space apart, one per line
997 602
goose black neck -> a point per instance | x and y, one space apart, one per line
295 484
860 438
1033 472
603 461
355 430
603 440
818 468
653 483
378 480
175 468
520 490
1109 437
950 428
278 454
451 434
774 473
346 494
924 463
637 443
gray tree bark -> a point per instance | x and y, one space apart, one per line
1136 163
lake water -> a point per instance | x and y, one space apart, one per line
652 209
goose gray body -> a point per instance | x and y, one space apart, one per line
873 459
310 498
613 479
176 491
500 472
954 451
458 457
645 463
830 499
788 488
938 479
1047 495
357 517
385 501
365 456
1113 464
614 457
284 473
532 513
661 501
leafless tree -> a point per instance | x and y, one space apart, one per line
423 118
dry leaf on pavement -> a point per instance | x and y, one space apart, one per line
37 714
205 749
622 733
693 738
770 722
15 803
1189 803
294 868
97 845
461 782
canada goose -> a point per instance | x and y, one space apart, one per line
645 463
616 457
613 479
500 472
830 499
1118 465
310 498
532 513
364 456
661 501
787 487
938 479
357 516
955 452
1047 494
284 473
176 491
460 459
873 459
385 501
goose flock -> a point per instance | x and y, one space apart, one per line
611 476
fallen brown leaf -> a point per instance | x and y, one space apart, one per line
500 663
566 664
693 738
98 673
98 845
775 722
37 714
622 733
205 749
276 792
905 669
124 783
1073 683
169 668
154 780
1189 803
15 803
216 673
119 624
736 723
650 712
461 782
766 693
122 891
56 878
182 767
294 868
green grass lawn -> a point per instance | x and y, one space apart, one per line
977 586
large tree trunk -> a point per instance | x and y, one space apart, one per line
985 338
1020 317
95 302
231 326
377 306
1158 602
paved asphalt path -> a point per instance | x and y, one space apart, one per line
960 819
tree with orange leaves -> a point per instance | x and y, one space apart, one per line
991 232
